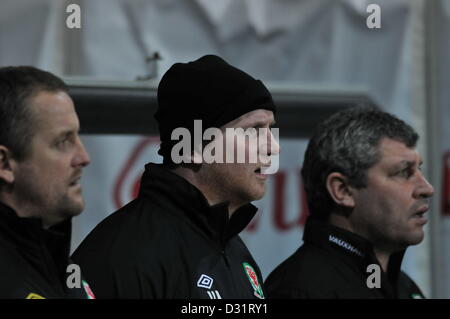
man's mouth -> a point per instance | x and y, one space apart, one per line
420 214
262 169
422 210
75 182
259 173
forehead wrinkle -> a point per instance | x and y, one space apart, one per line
393 162
67 133
393 149
404 163
259 117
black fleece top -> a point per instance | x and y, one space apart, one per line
170 243
33 261
333 263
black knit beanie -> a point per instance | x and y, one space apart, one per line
207 89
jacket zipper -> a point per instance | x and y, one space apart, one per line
233 279
225 257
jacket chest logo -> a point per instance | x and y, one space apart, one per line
345 245
214 294
33 295
253 278
206 282
88 290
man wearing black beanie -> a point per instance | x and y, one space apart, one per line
179 238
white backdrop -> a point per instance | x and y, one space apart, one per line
443 100
321 43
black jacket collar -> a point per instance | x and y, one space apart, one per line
353 248
29 238
165 186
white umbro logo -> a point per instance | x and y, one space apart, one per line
205 282
214 294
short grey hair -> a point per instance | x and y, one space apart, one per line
347 142
18 85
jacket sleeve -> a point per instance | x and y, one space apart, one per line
12 276
128 268
116 272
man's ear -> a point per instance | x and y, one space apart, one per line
6 165
340 190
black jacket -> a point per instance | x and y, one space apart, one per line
33 261
332 263
169 243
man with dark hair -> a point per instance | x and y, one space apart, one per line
367 198
41 162
179 238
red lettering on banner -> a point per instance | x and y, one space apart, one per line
446 185
279 217
279 207
254 223
136 187
120 181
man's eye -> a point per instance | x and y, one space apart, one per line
63 142
407 172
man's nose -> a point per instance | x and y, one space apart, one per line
274 146
82 156
424 189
